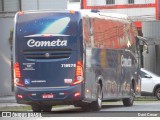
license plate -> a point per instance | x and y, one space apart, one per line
45 96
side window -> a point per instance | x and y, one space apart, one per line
130 1
110 1
90 30
89 25
143 74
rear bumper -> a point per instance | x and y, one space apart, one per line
60 95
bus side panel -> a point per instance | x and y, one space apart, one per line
107 40
112 74
89 74
129 68
104 65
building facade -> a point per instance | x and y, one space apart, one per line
17 5
137 10
151 59
146 15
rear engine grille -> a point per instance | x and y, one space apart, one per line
47 54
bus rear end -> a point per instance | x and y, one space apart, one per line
48 67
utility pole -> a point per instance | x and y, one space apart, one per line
38 4
3 5
20 5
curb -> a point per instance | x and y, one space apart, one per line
7 99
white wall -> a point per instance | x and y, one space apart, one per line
44 4
11 5
53 4
91 2
100 2
74 0
29 4
74 6
150 1
121 2
117 2
137 14
139 1
144 1
5 52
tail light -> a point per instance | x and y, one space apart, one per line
20 12
19 96
79 74
72 12
77 94
17 75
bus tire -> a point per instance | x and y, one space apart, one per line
129 101
97 105
86 107
46 108
36 108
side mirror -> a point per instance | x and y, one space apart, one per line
143 41
145 48
148 76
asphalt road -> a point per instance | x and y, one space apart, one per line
109 109
118 106
138 106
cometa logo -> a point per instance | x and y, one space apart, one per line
126 62
58 42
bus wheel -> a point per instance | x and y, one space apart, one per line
46 108
129 101
36 108
86 107
97 105
157 93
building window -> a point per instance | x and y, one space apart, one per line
130 1
110 1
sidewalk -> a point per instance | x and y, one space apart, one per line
7 99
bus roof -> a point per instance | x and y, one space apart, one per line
46 11
102 14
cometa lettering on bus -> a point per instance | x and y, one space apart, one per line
58 42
